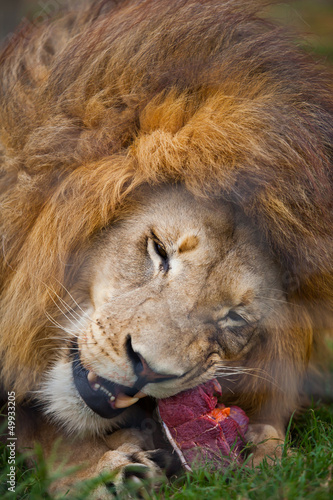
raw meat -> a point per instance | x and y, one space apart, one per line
201 430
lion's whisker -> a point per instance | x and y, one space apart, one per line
257 373
282 301
272 289
55 323
62 339
71 296
240 371
75 315
64 314
244 368
80 319
53 348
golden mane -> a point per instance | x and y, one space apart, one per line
95 104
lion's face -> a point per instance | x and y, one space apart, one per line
177 289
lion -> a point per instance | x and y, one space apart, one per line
166 218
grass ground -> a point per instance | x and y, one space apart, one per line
304 472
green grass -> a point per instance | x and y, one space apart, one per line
305 471
313 19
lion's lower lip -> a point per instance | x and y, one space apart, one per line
104 397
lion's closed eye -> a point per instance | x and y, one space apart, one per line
233 319
158 253
160 250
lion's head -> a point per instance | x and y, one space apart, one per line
166 208
170 295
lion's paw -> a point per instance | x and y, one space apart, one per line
131 470
266 443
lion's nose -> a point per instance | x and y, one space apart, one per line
142 369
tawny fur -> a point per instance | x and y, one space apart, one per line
97 103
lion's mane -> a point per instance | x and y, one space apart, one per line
96 103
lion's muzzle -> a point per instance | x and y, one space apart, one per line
106 398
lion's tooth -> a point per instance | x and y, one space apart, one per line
92 377
140 395
93 381
123 401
